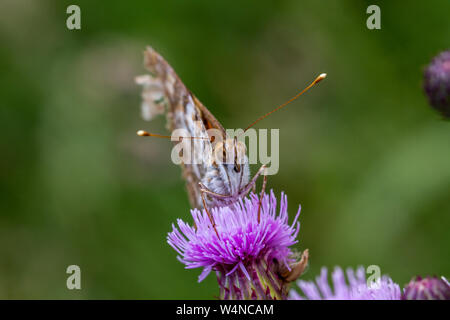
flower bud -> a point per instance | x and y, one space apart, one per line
437 83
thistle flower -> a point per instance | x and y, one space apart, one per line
356 289
252 259
429 288
437 83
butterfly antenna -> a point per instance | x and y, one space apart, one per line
316 81
143 133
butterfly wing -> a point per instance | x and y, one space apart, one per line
164 91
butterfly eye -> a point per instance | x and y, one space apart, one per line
237 167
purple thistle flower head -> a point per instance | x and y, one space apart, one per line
437 83
429 288
357 287
251 259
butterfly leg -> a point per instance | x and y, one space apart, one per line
251 184
262 194
212 193
211 219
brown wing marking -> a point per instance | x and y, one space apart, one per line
183 110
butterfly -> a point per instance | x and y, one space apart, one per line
209 183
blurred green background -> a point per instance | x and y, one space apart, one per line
363 153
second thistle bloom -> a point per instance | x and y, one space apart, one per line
252 259
428 288
356 288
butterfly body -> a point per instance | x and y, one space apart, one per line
212 182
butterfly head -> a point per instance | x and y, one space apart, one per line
230 170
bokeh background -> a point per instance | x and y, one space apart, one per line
363 153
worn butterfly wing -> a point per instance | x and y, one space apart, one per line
163 91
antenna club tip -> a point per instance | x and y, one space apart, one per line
320 78
141 133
